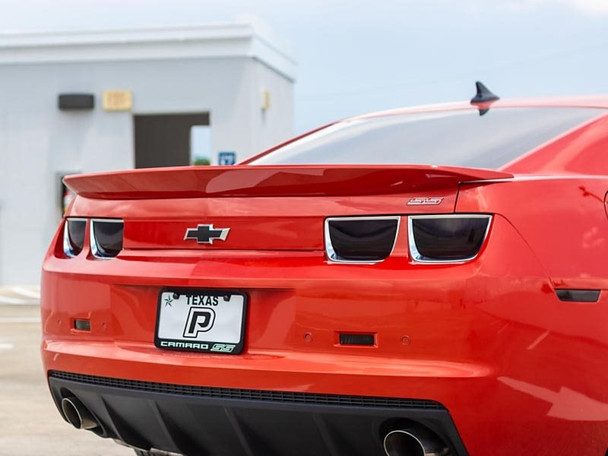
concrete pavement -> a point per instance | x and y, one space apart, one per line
20 295
29 422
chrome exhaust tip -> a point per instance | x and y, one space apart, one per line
77 414
414 441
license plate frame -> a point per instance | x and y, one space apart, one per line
186 321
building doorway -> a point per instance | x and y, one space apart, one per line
164 139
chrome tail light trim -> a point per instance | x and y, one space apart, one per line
417 257
96 251
330 252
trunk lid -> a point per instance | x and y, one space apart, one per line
264 207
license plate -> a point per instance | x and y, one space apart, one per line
201 320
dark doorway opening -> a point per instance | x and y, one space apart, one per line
164 139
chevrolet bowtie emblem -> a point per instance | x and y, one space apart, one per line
206 234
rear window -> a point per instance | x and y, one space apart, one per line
449 138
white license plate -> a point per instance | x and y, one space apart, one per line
201 320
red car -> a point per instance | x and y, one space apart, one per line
428 281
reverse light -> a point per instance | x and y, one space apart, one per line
106 237
360 239
73 236
449 238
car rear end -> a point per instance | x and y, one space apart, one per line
306 310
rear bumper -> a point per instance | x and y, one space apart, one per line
236 422
488 340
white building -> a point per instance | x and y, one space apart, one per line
76 102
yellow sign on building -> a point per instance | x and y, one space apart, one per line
117 100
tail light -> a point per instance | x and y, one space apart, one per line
106 237
73 236
360 239
447 238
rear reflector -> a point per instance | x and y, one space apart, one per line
447 238
82 325
73 236
360 239
578 295
357 339
106 237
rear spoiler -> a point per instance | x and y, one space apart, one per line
273 181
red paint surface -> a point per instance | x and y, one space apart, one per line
520 371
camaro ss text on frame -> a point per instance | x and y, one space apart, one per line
417 282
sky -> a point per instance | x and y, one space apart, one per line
358 56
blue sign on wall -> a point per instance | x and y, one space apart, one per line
226 158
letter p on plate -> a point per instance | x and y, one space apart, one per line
199 320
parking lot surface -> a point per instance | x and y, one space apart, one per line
29 422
